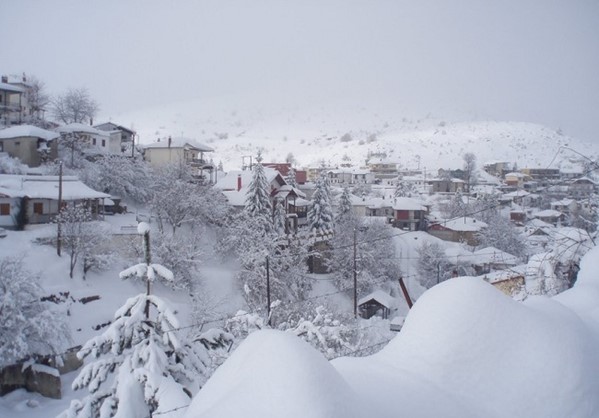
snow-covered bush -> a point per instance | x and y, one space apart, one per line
9 165
433 266
28 327
556 270
324 331
118 175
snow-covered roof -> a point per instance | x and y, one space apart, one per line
583 179
285 189
548 213
80 128
516 174
111 126
498 276
407 203
180 142
537 223
46 187
230 180
516 194
26 131
563 202
456 251
11 88
464 224
494 256
381 297
299 202
377 203
350 170
236 198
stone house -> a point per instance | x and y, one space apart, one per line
39 194
30 144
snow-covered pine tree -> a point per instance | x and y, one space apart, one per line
257 201
320 215
28 326
279 217
290 179
141 366
403 188
345 205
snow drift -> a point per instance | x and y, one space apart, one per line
275 374
466 350
497 355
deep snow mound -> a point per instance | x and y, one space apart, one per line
533 359
275 374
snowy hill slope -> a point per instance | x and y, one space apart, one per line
339 133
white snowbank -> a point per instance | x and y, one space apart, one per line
275 374
466 350
497 355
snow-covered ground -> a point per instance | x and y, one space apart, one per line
466 350
36 247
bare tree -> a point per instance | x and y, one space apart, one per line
83 239
469 167
38 100
76 105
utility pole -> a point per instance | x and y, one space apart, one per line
355 275
59 225
268 289
404 290
148 262
133 145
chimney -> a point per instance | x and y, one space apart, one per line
5 79
238 182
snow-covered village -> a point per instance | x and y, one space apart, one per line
262 243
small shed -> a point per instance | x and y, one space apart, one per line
376 303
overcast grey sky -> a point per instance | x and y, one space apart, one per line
525 60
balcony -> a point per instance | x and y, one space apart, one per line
202 164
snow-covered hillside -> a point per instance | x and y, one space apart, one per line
342 133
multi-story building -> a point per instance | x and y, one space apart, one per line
92 140
11 99
179 151
127 135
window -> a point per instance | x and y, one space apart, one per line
103 142
38 208
93 141
17 143
4 208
